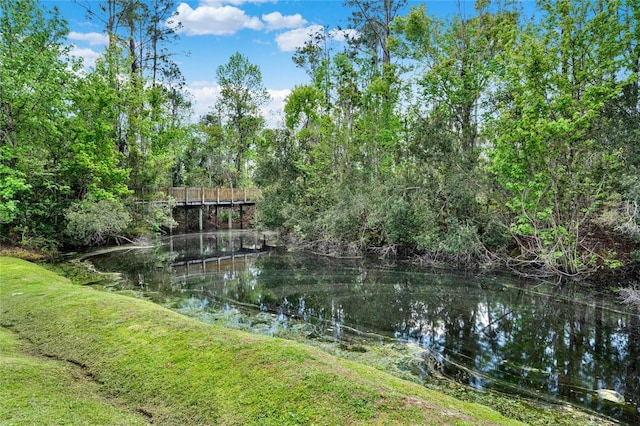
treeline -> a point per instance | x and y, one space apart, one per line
75 145
79 145
509 136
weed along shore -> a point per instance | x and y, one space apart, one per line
137 362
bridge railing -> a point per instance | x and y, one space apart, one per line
203 195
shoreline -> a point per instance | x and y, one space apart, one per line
511 405
180 371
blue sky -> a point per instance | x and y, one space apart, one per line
266 31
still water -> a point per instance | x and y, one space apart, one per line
548 342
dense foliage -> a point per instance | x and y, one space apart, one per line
72 141
509 136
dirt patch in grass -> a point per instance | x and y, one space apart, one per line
19 252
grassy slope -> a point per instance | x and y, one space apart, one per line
36 390
180 371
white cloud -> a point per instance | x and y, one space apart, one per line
94 39
262 42
289 41
344 35
215 18
206 93
276 21
88 56
235 2
273 112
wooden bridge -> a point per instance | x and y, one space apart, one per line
214 265
203 197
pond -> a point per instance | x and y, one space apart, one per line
553 343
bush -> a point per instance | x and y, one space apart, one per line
411 224
224 216
92 222
461 239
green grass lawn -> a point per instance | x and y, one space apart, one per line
94 357
35 390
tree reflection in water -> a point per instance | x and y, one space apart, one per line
544 341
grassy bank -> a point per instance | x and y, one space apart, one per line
35 390
159 364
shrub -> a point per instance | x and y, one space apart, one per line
93 222
411 224
461 239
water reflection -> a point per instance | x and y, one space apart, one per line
548 342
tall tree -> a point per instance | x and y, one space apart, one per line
619 128
34 83
162 28
457 62
242 94
152 98
56 146
380 82
373 18
144 28
315 58
558 76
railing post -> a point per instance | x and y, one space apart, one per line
186 196
202 195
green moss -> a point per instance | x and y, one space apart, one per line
398 360
180 371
